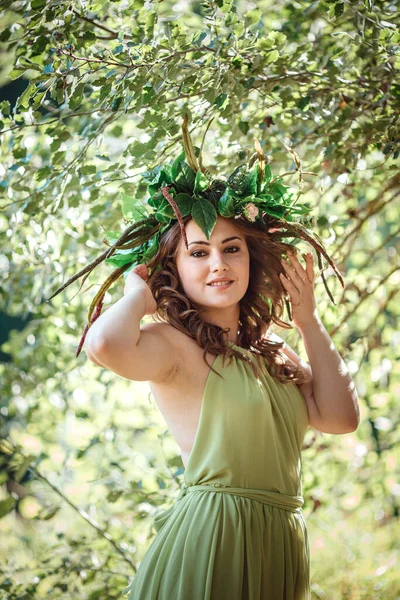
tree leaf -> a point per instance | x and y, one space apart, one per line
131 210
6 506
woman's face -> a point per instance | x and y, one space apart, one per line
224 256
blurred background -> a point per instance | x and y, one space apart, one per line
91 95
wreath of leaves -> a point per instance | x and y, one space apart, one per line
184 187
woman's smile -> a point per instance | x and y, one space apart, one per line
219 285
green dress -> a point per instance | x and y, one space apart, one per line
236 530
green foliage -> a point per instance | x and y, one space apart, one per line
85 464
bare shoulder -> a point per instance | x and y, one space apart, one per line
291 355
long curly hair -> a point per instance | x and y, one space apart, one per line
262 304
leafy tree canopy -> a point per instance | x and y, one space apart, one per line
103 88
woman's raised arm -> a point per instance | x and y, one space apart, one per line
116 341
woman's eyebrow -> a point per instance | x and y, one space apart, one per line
235 237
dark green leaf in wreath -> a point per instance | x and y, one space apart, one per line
216 191
238 181
165 210
185 179
277 189
267 174
275 211
119 260
176 165
162 179
266 200
226 204
205 216
153 246
201 183
156 200
252 180
185 203
301 209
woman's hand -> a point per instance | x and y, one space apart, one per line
299 283
137 279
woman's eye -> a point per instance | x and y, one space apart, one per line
235 248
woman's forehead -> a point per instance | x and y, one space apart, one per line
223 228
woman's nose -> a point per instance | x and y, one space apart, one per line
219 261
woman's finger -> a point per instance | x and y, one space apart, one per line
291 274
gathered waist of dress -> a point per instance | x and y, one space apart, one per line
284 501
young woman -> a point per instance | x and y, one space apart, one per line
237 402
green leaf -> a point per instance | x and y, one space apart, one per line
165 210
185 203
176 165
119 260
244 127
226 204
5 108
252 17
222 101
162 179
116 103
23 100
275 211
205 216
244 182
88 169
153 247
58 157
131 210
22 467
198 37
303 102
6 506
272 57
39 45
43 173
339 8
75 101
38 100
277 189
201 183
267 173
156 200
185 178
15 73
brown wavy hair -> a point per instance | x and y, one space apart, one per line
262 304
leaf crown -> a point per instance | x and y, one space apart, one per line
185 188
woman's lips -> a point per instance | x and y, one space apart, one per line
220 287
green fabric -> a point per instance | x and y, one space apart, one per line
236 530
